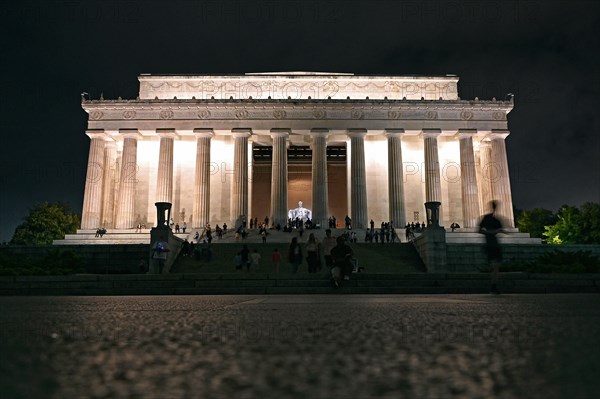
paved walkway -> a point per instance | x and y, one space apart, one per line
478 346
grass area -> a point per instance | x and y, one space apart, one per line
55 263
375 258
558 261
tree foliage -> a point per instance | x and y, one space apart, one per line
533 221
576 225
46 222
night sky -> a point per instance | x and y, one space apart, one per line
545 52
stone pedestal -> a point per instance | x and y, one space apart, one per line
201 210
358 208
320 192
162 232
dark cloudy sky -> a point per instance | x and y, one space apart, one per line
545 52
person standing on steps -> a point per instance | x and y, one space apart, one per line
342 267
295 255
490 225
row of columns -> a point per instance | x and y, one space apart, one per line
494 185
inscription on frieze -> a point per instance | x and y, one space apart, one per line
291 87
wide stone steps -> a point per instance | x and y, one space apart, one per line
462 237
261 284
379 258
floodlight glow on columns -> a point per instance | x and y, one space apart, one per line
501 186
201 206
239 197
92 198
397 213
468 178
358 189
164 180
125 215
320 192
279 177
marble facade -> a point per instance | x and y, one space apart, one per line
189 140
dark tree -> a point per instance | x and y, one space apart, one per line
533 221
46 222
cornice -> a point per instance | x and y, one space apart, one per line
457 110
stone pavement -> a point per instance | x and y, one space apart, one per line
360 346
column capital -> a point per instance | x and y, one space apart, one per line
433 133
499 133
207 133
356 132
97 134
319 132
393 132
130 133
168 133
241 132
280 133
466 133
485 142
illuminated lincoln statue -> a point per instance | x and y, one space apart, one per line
220 148
301 212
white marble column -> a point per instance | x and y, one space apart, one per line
320 192
397 212
358 211
201 209
468 178
250 177
109 190
488 173
239 193
501 186
125 215
92 197
433 184
348 181
164 181
279 177
433 187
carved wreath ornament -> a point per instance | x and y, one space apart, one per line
466 115
95 115
394 115
129 114
357 114
498 116
241 114
204 114
279 114
431 114
166 114
319 114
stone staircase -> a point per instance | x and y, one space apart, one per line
472 236
372 258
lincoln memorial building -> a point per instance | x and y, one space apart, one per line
224 147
